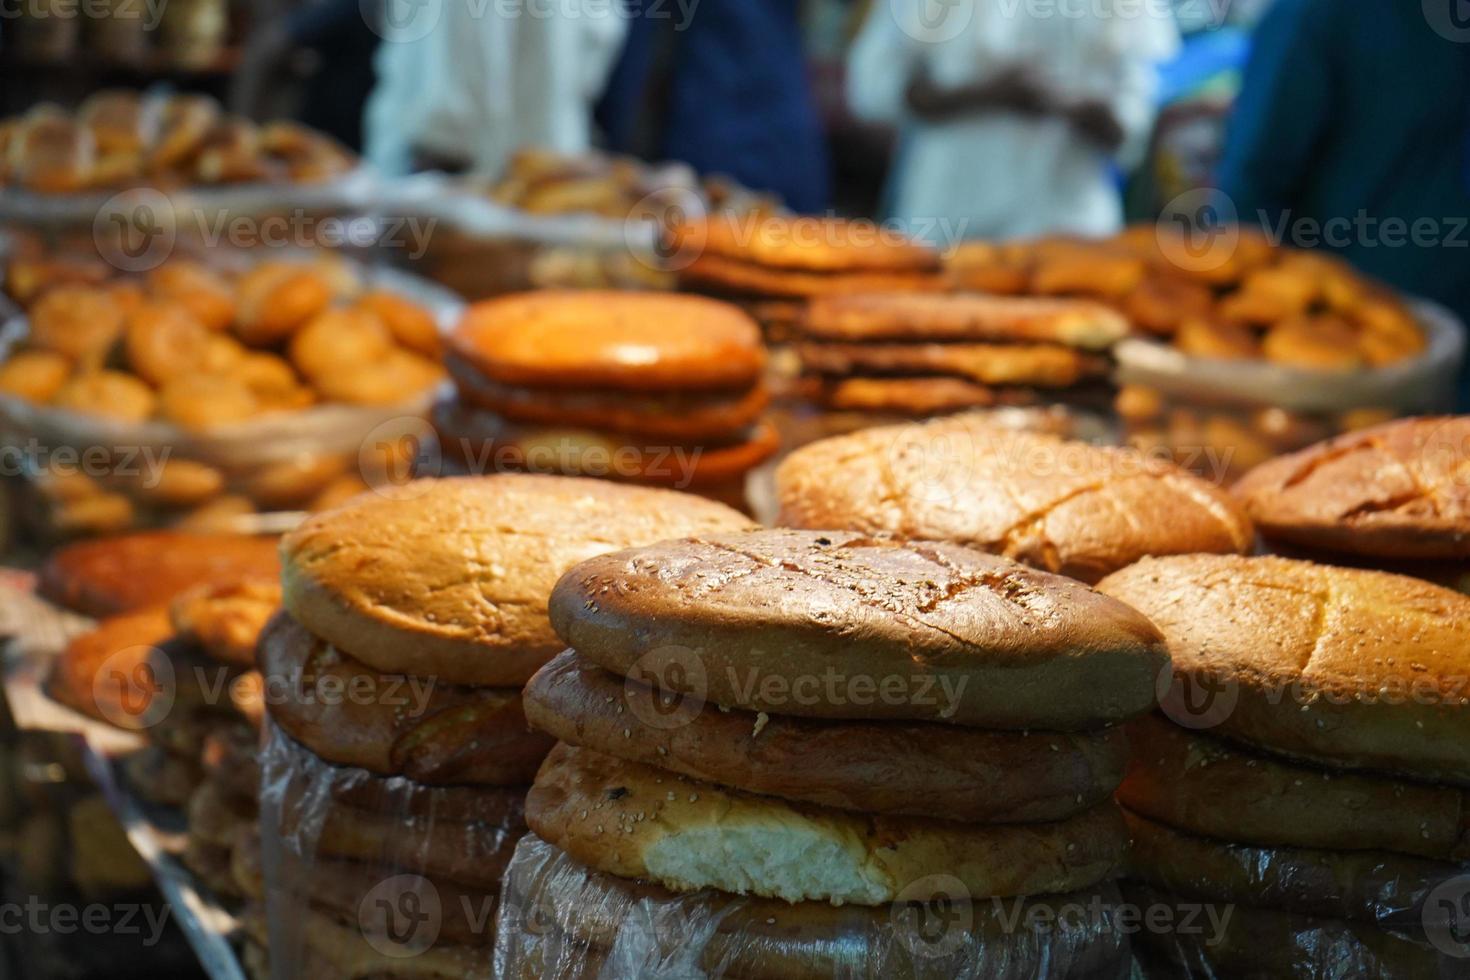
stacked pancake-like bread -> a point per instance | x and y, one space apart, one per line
1394 497
774 265
1060 505
398 752
1309 772
780 747
897 354
640 387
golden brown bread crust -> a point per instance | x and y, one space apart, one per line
1350 668
225 619
1363 886
556 900
687 416
636 821
899 396
1048 366
1207 786
113 575
1278 944
466 603
870 767
736 278
970 317
1400 490
433 733
126 644
1063 506
484 442
635 341
812 244
839 625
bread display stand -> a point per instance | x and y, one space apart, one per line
34 631
1423 383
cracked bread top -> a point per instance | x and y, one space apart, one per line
1400 490
1352 668
1063 506
449 578
841 625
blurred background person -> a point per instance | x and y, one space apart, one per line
721 85
1013 118
464 85
1359 114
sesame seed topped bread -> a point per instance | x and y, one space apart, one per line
623 340
810 244
1400 490
636 821
1060 505
918 769
450 578
1345 667
1215 788
841 625
968 317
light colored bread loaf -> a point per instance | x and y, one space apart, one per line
1060 505
840 625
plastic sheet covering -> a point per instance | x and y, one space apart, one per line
365 876
562 921
1255 942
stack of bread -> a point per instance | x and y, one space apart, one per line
775 264
1394 497
899 354
397 755
1059 505
1307 784
781 751
642 387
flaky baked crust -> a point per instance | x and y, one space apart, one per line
841 625
1208 786
636 821
970 317
918 769
113 575
450 578
1060 505
1044 365
1400 490
626 340
1354 669
803 243
391 725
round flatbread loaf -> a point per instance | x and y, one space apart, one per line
1208 786
636 821
1362 886
915 769
1400 490
393 725
449 579
1059 505
963 317
840 625
1353 669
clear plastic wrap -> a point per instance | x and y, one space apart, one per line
562 921
362 875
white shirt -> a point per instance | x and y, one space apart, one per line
476 80
1000 174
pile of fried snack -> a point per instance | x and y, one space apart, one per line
118 139
205 350
990 703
